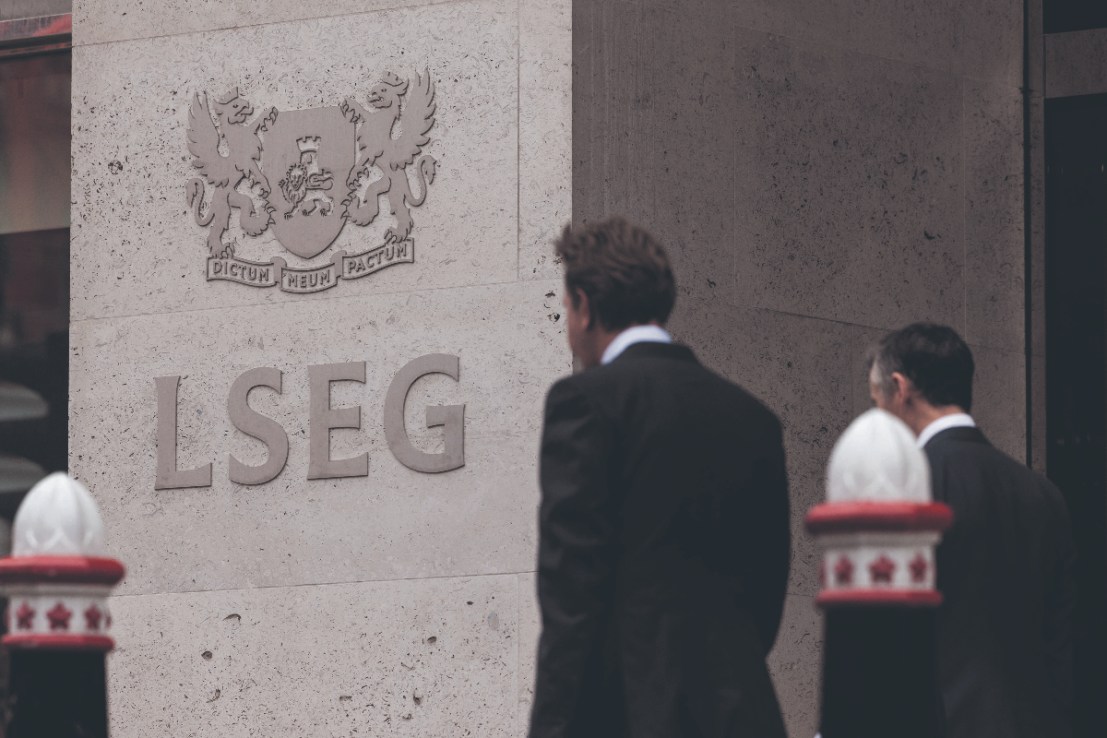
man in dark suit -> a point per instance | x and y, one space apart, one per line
1005 568
664 529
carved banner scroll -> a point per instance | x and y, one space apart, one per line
315 279
360 265
253 273
307 280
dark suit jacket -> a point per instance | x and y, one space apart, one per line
663 554
1005 569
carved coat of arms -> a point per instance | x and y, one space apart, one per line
305 174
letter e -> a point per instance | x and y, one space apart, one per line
323 418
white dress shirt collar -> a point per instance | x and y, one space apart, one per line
634 334
957 420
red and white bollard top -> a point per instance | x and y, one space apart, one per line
879 526
58 578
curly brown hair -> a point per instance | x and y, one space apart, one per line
622 269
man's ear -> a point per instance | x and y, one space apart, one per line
904 388
584 308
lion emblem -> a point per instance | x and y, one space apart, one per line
378 147
330 166
206 136
305 184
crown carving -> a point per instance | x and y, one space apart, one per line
309 143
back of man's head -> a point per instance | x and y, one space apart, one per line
936 360
623 271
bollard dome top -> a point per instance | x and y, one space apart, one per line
58 518
877 459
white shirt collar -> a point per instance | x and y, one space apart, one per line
957 420
634 334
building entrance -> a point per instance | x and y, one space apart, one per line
1076 370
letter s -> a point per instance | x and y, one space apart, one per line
256 425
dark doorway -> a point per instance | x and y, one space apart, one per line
1076 369
1074 15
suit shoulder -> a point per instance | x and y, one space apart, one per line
590 381
581 387
609 387
1047 498
564 387
755 419
951 456
1049 490
752 406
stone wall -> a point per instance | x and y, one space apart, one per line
396 603
821 172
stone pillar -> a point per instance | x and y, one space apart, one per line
302 496
878 530
57 582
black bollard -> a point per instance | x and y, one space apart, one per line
58 624
61 694
878 530
879 677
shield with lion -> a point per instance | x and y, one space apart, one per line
306 157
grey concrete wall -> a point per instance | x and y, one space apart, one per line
397 603
821 172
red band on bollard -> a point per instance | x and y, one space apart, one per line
861 597
877 517
59 642
60 570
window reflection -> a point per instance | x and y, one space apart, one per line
34 270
